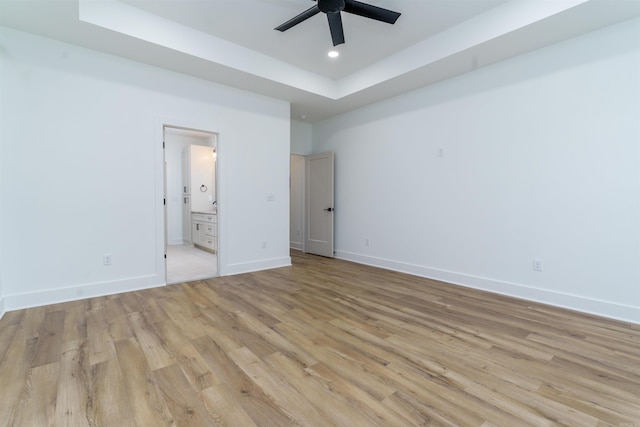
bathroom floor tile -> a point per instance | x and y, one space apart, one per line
187 263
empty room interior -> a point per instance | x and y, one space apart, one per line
412 213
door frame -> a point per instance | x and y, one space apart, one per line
299 181
160 192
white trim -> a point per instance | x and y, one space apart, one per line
73 293
248 267
2 309
608 309
303 227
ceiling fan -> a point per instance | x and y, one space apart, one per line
332 9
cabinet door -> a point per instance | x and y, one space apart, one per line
196 233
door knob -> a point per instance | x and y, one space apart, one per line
329 209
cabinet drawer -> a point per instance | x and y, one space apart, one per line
209 229
209 242
203 217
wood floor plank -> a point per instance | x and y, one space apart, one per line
362 398
38 401
7 336
295 405
182 400
186 355
621 414
240 301
32 321
415 412
221 329
149 308
118 326
182 313
75 321
146 403
14 372
224 408
49 339
324 342
197 298
276 340
329 401
100 341
262 410
244 335
153 345
73 398
110 404
130 302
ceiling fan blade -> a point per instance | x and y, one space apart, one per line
335 25
371 11
298 19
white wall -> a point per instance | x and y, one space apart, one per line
82 170
301 138
541 160
173 156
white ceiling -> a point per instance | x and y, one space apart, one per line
250 23
233 42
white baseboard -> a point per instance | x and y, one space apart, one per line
175 242
296 245
611 310
55 296
2 309
248 267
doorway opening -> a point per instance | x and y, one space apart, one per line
191 214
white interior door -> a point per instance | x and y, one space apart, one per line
319 204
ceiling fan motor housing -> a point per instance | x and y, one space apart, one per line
331 6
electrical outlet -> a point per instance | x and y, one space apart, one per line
537 265
440 152
366 242
264 245
106 259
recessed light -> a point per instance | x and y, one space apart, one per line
333 54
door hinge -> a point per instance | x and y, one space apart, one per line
164 201
162 144
165 256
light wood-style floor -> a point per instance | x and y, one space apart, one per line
322 343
